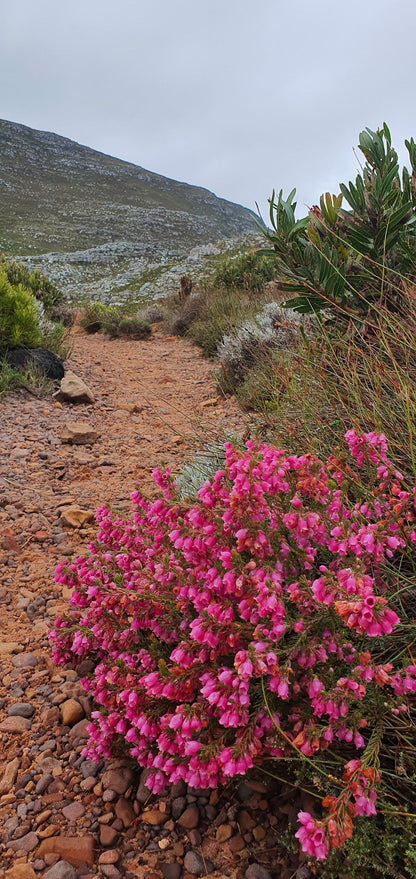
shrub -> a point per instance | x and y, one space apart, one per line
222 311
41 286
267 620
348 263
92 319
252 342
249 271
19 318
116 325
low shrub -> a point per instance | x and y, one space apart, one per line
221 312
251 343
250 271
117 325
19 317
269 619
40 285
92 319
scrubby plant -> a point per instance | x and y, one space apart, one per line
92 319
117 325
269 619
252 343
250 271
19 317
346 263
41 286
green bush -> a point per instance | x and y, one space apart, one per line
347 264
116 325
92 319
249 271
19 318
42 288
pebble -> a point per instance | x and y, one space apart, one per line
196 864
9 776
190 818
171 871
108 835
77 850
73 811
61 870
256 871
71 712
25 843
25 660
21 709
118 779
154 817
15 725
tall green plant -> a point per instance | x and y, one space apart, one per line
350 262
19 320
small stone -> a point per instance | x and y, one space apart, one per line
73 811
125 811
154 817
171 871
21 709
196 864
259 833
9 647
77 850
71 712
118 779
15 725
43 783
223 833
110 871
20 871
25 660
245 820
256 871
79 433
190 818
61 870
112 856
237 843
108 835
75 517
74 389
9 776
89 768
80 730
25 843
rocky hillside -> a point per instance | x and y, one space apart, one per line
98 225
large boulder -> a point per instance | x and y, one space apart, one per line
45 361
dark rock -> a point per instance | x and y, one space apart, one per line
171 871
45 361
196 864
61 870
256 871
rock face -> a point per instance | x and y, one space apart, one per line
74 389
114 222
41 359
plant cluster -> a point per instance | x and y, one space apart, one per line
348 262
19 317
266 620
253 341
115 321
250 271
40 285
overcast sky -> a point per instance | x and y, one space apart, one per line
239 96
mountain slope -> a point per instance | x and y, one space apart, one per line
88 218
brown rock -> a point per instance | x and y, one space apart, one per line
118 778
259 833
20 871
75 517
77 850
78 433
25 843
108 835
154 817
223 833
189 818
112 856
15 725
245 820
125 811
9 776
237 843
71 712
74 389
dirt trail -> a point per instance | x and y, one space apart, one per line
155 402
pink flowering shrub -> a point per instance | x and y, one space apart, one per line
256 623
